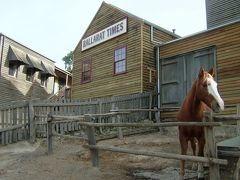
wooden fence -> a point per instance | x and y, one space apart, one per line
90 106
28 119
208 124
14 122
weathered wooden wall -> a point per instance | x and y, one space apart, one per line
140 57
12 88
222 11
226 41
103 81
149 59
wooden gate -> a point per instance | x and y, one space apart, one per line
14 122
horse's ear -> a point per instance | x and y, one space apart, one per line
211 72
201 72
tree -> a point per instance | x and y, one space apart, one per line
68 61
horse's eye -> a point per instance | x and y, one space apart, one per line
205 85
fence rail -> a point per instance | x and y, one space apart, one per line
208 124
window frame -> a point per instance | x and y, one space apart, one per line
89 79
115 62
44 80
13 67
32 74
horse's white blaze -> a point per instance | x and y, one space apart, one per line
212 89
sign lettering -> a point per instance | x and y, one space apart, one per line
105 34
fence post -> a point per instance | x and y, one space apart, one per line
92 141
32 124
117 119
211 148
49 133
120 133
100 117
150 105
238 121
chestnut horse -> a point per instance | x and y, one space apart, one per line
203 96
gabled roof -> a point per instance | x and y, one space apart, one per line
145 21
129 15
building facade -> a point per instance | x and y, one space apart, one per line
115 55
24 74
218 48
220 12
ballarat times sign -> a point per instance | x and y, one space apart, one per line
105 34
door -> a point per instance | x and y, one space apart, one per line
178 74
203 58
172 80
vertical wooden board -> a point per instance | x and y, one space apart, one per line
65 127
73 127
57 127
53 128
3 125
15 131
25 121
20 121
92 141
10 136
61 128
7 124
3 138
211 149
69 127
76 126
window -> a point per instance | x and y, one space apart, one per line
30 74
86 71
44 79
13 69
120 60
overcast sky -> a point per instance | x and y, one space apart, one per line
54 27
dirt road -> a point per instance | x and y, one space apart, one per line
71 161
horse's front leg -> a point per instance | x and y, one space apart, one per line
184 147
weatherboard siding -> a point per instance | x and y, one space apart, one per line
14 89
226 41
103 81
140 56
220 12
149 60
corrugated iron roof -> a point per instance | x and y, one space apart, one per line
16 54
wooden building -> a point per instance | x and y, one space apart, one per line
141 53
217 47
220 12
115 55
25 74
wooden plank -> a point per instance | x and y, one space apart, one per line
159 154
26 122
20 121
49 134
211 149
92 141
14 111
7 133
31 119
